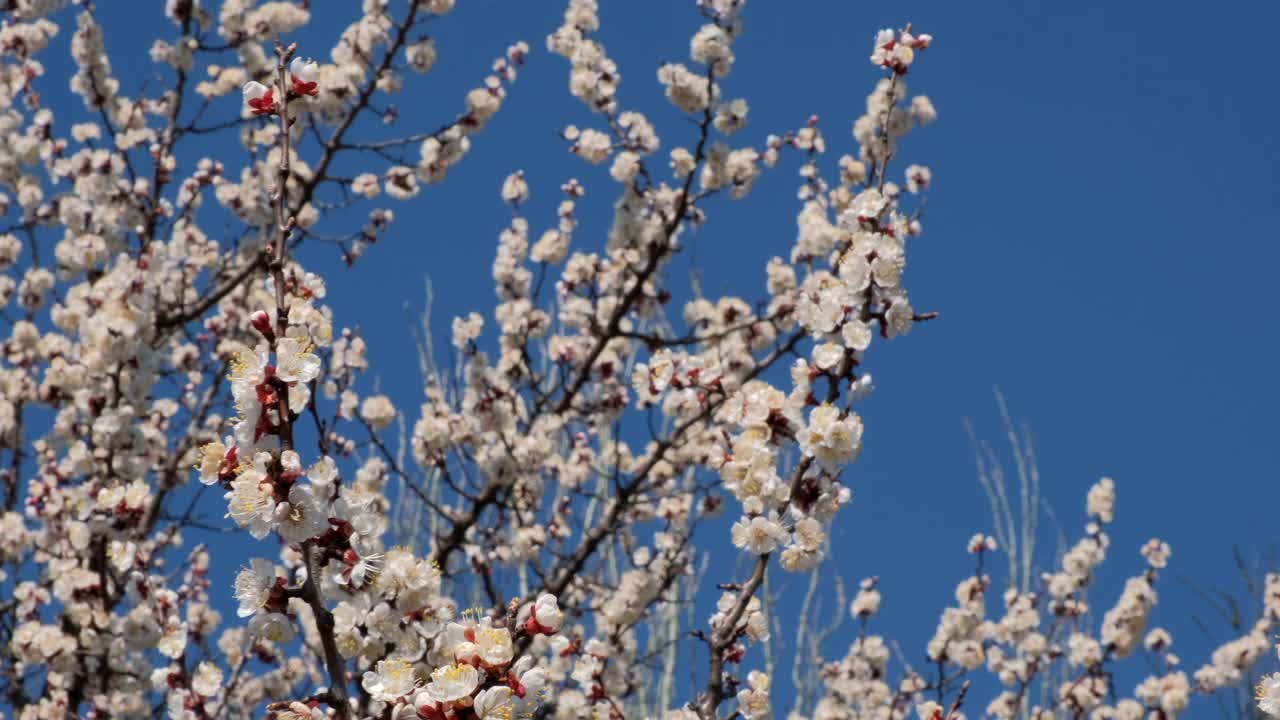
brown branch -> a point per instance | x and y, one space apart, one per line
955 706
492 491
285 221
183 316
726 631
309 186
569 568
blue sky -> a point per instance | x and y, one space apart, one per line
1100 242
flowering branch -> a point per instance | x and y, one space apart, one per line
571 458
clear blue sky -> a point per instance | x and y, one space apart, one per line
1100 241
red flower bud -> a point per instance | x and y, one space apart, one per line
262 323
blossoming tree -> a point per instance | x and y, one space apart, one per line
568 467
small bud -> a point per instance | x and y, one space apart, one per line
262 323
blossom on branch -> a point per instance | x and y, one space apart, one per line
260 98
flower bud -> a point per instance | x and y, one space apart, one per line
305 76
259 98
262 323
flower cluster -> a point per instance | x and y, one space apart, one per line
173 371
145 346
1044 646
475 668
